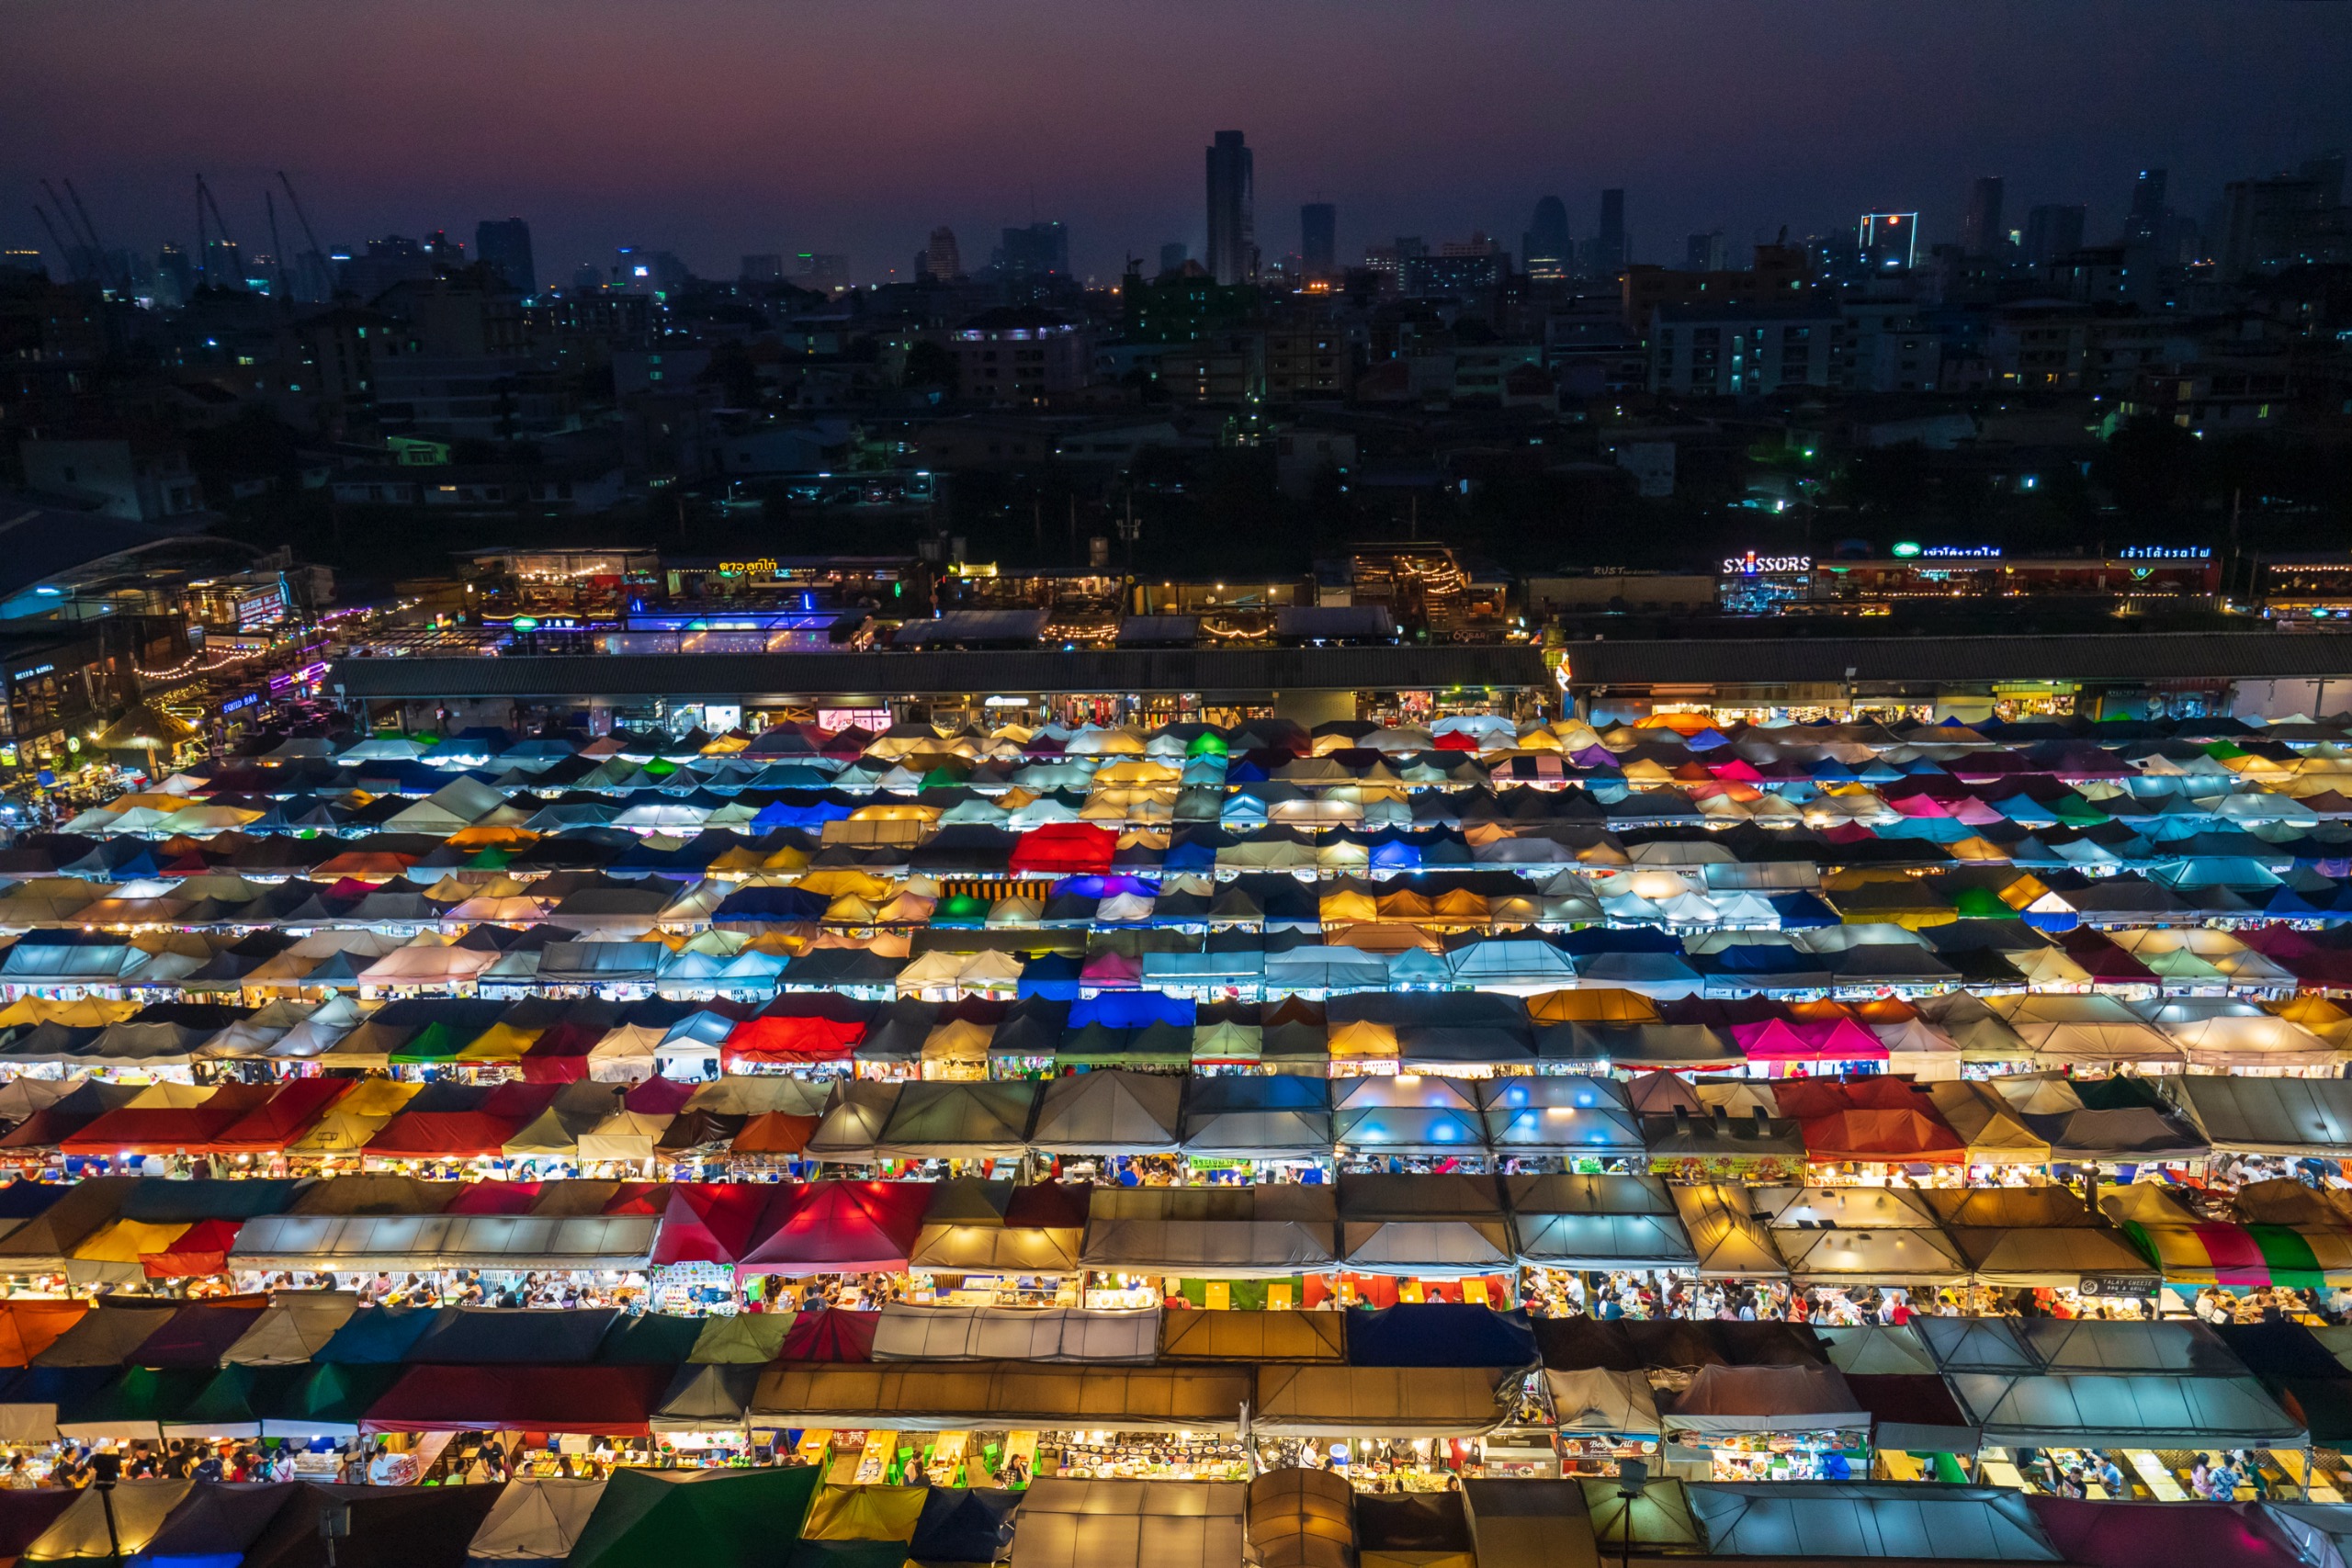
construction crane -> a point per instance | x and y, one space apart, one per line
97 247
63 250
203 254
284 289
78 249
304 219
300 217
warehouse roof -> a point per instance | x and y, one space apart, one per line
2155 655
731 675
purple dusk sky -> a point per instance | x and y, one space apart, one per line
720 126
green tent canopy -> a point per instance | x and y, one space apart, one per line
713 1519
327 1399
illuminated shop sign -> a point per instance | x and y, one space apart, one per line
2164 552
1950 552
1750 564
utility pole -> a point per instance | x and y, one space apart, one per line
276 251
97 246
64 251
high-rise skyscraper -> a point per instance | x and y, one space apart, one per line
1173 256
1610 248
1318 239
1233 236
2146 223
1709 251
1544 253
2053 231
505 246
1889 242
762 269
1041 250
941 258
1980 231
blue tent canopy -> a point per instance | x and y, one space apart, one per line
1053 976
373 1335
964 1525
1441 1334
1130 1009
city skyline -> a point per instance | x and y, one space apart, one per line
597 151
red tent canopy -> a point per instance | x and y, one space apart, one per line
1065 848
835 1227
2109 964
27 1514
520 1100
202 1248
442 1134
787 1039
560 1055
293 1110
2164 1535
609 1401
831 1335
163 1130
709 1221
637 1198
495 1197
658 1096
1808 1098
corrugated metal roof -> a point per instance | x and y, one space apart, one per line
2153 656
727 676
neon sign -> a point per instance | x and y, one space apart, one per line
1751 563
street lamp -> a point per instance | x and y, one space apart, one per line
106 1469
1632 1481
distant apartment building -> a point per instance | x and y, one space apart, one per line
136 479
1741 350
1778 276
503 244
825 272
2051 231
1018 357
941 257
657 273
1307 364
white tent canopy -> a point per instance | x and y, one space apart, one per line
907 1332
536 1519
507 1242
1595 1399
1211 1232
1130 1524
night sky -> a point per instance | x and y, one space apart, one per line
714 128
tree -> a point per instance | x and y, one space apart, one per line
929 365
2155 468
